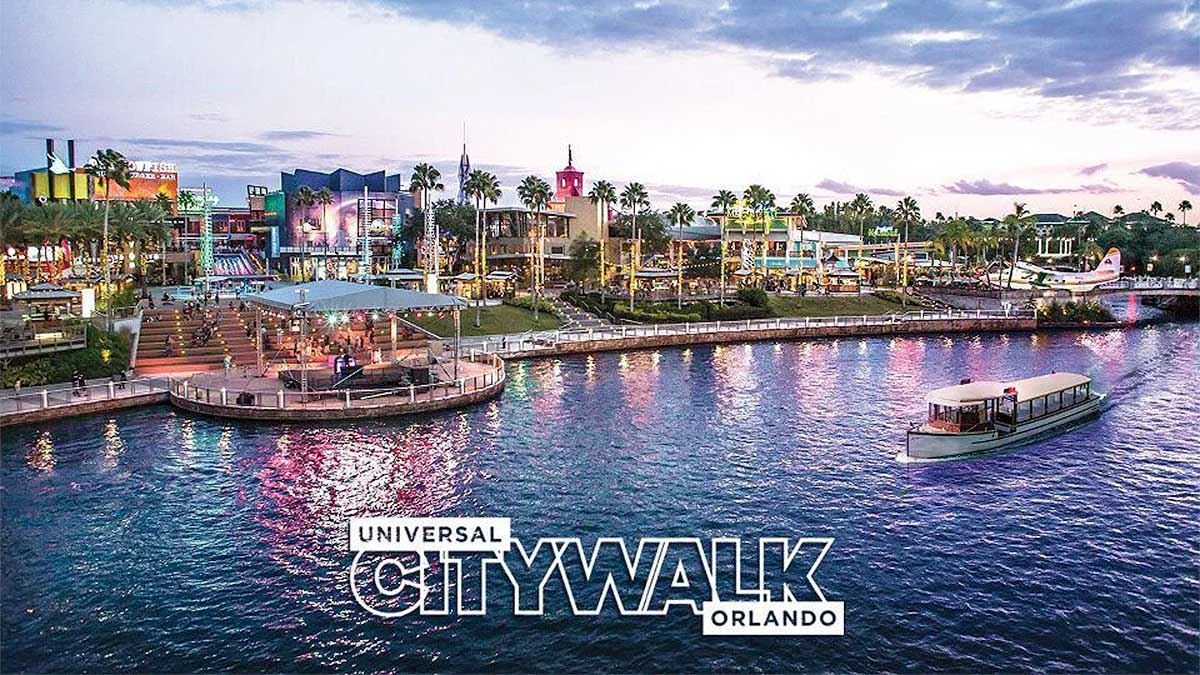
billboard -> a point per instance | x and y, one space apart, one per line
147 180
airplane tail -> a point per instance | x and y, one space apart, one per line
1111 262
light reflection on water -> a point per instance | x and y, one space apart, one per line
223 545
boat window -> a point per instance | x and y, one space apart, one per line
1023 409
1053 402
1038 407
1068 396
1004 411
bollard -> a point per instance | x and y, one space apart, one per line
412 394
112 390
462 387
45 399
279 399
224 396
347 398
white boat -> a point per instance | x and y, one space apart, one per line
975 416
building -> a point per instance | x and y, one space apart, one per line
778 245
571 217
57 181
322 241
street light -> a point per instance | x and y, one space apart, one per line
302 306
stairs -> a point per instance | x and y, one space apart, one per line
574 317
228 338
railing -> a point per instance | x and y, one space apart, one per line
1152 284
507 344
65 396
73 337
397 396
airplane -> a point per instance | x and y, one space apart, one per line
1032 277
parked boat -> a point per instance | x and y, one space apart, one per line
975 416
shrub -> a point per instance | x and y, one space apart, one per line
755 297
105 354
526 302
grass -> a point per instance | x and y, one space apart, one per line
493 321
834 306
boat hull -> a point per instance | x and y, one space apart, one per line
930 445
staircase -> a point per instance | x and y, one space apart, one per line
574 317
228 338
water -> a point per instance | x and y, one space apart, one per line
158 540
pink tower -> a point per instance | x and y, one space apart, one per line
569 181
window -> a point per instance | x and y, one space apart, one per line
1053 402
1038 407
1023 409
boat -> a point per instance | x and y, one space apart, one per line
972 417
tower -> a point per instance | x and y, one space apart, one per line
464 170
569 181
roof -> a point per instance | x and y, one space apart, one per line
1029 388
655 273
44 291
343 296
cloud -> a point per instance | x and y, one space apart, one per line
191 144
12 127
293 135
1187 175
985 187
209 117
1094 169
1102 53
838 187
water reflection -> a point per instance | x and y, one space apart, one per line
41 453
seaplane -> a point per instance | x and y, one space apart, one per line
1031 277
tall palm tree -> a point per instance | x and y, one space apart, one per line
680 213
304 199
907 214
108 166
186 200
1184 207
46 225
476 187
603 195
426 178
861 208
535 194
802 204
323 198
1016 222
724 200
634 197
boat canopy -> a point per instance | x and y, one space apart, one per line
973 393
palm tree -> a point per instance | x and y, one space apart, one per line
1118 210
907 213
1156 207
724 200
1170 217
535 195
634 197
802 204
861 207
186 200
476 187
1184 207
603 195
426 178
680 213
324 198
47 225
304 199
108 166
1016 222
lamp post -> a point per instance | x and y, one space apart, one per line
302 305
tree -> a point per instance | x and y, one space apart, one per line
802 204
427 179
680 213
634 198
1184 207
1156 207
535 194
1016 222
304 199
1118 210
603 195
907 214
476 187
723 201
323 198
584 259
108 166
187 201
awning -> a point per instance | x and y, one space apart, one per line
345 296
44 291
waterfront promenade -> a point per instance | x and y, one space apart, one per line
213 394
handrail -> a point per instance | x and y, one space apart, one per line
43 398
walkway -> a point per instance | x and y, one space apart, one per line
574 317
35 404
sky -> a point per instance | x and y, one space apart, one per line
966 106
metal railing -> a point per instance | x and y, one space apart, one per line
507 344
1152 283
65 395
290 399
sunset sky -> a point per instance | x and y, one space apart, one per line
967 106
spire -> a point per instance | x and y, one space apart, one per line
570 161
